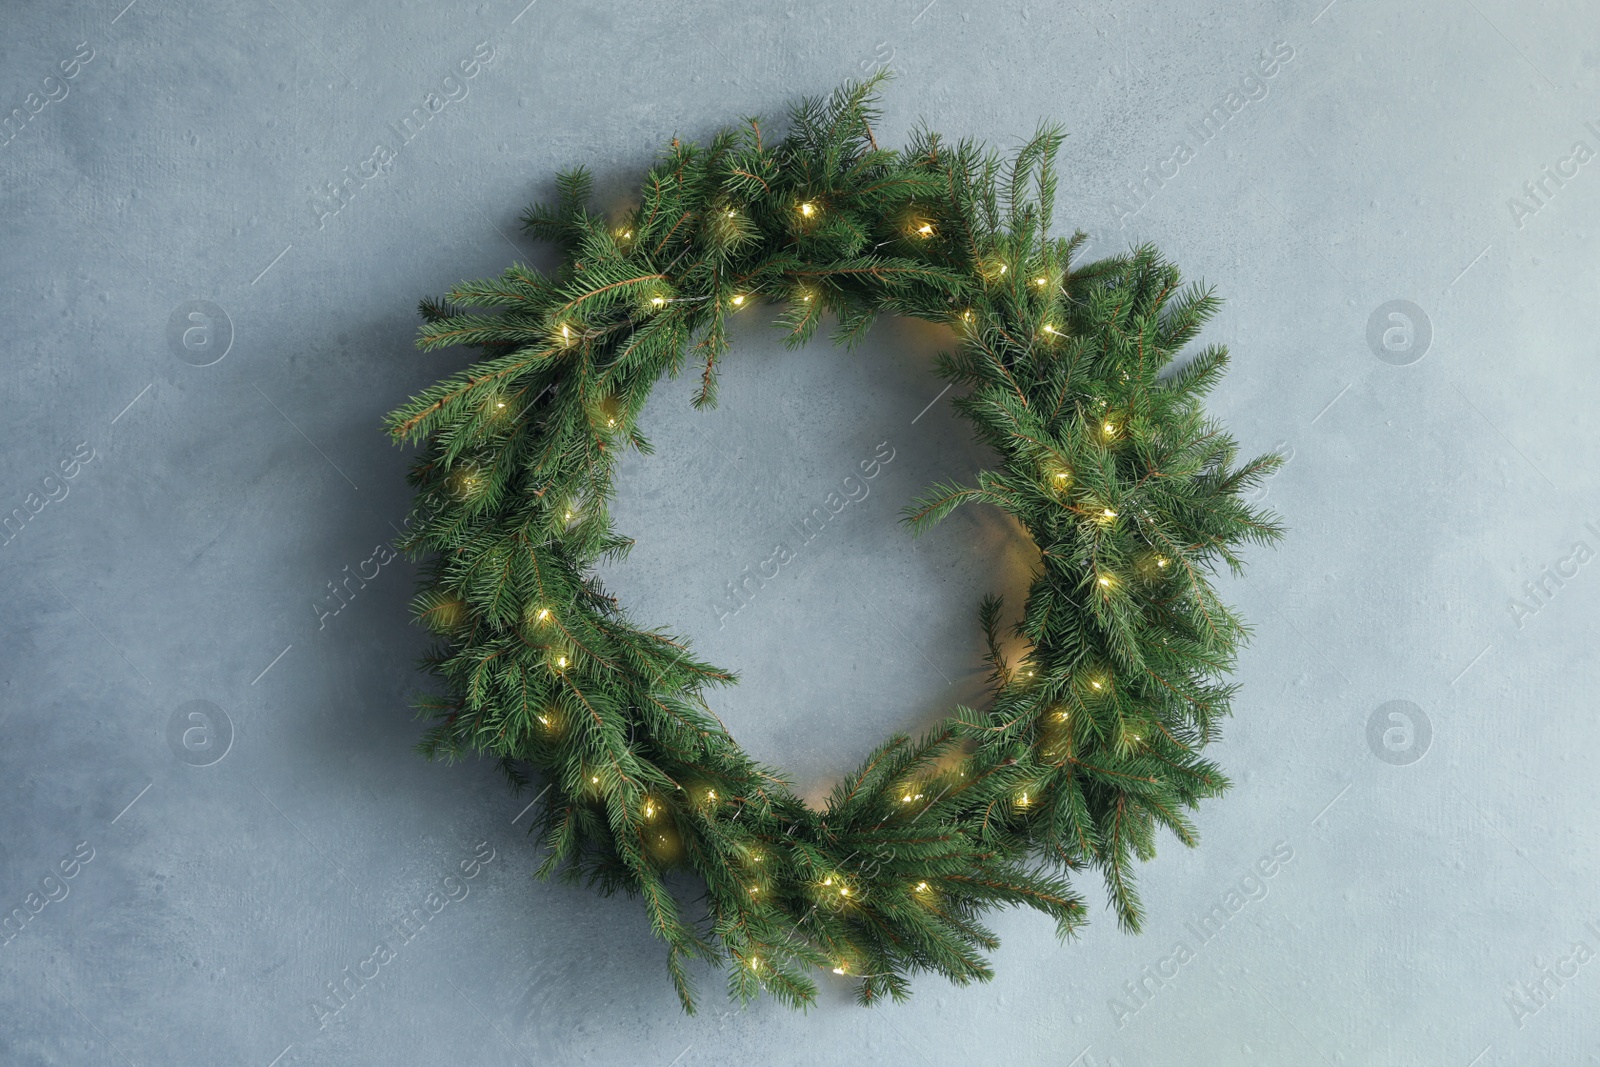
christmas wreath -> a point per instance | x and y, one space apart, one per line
1105 455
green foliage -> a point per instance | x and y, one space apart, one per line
1070 372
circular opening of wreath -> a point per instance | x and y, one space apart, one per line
1069 371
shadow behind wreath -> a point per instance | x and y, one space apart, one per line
1093 738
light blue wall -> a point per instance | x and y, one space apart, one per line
1432 875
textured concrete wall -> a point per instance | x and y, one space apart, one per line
211 811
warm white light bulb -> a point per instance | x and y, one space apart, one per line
1105 581
738 299
838 970
808 209
658 300
1108 513
926 229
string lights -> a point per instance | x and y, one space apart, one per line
582 691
